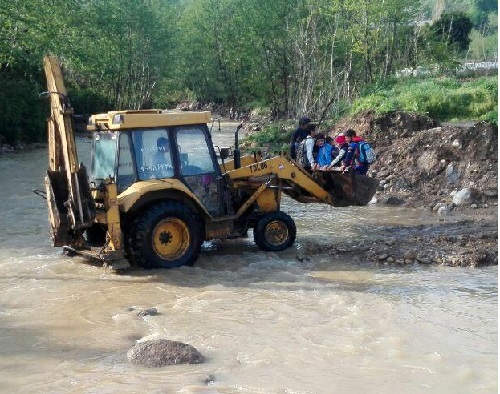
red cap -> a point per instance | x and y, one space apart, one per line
340 139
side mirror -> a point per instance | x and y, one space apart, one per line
224 153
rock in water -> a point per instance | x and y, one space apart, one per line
161 352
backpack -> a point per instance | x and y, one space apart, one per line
301 153
366 153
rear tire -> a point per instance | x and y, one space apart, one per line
168 235
275 231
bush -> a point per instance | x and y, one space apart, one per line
275 136
22 111
86 101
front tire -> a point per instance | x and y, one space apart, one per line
168 235
275 231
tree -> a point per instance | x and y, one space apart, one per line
453 29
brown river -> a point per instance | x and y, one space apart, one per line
266 322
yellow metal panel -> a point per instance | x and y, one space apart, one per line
119 120
54 148
130 196
268 201
113 218
245 160
283 168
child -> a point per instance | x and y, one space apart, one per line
342 146
324 154
335 150
352 156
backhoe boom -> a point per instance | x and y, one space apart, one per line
71 206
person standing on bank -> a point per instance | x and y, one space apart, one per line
299 135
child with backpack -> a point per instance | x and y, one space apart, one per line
360 154
305 156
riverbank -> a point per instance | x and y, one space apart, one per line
449 170
470 241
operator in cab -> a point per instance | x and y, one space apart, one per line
162 161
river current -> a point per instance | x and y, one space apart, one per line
266 322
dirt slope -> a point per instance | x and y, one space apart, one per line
426 165
422 163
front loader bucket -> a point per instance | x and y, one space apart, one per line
347 188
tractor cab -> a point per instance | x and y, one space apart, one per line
131 154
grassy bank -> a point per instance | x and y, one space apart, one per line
443 99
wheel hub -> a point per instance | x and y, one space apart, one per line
276 232
171 238
165 237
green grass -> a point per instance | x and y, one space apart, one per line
444 99
276 136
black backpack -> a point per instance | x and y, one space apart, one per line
301 153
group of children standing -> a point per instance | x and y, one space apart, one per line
315 151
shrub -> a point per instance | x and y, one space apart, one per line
22 112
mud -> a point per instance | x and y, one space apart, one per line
467 243
426 165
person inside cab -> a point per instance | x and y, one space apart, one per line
162 161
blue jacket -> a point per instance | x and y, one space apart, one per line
324 155
349 159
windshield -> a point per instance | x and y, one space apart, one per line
153 154
104 156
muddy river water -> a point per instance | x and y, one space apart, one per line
266 322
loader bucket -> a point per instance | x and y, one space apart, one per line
347 188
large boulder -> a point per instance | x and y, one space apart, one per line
161 352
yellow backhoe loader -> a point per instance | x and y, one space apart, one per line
157 187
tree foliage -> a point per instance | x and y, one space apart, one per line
290 57
453 29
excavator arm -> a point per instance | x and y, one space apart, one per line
265 180
70 203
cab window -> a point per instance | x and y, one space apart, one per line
104 156
125 174
194 152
